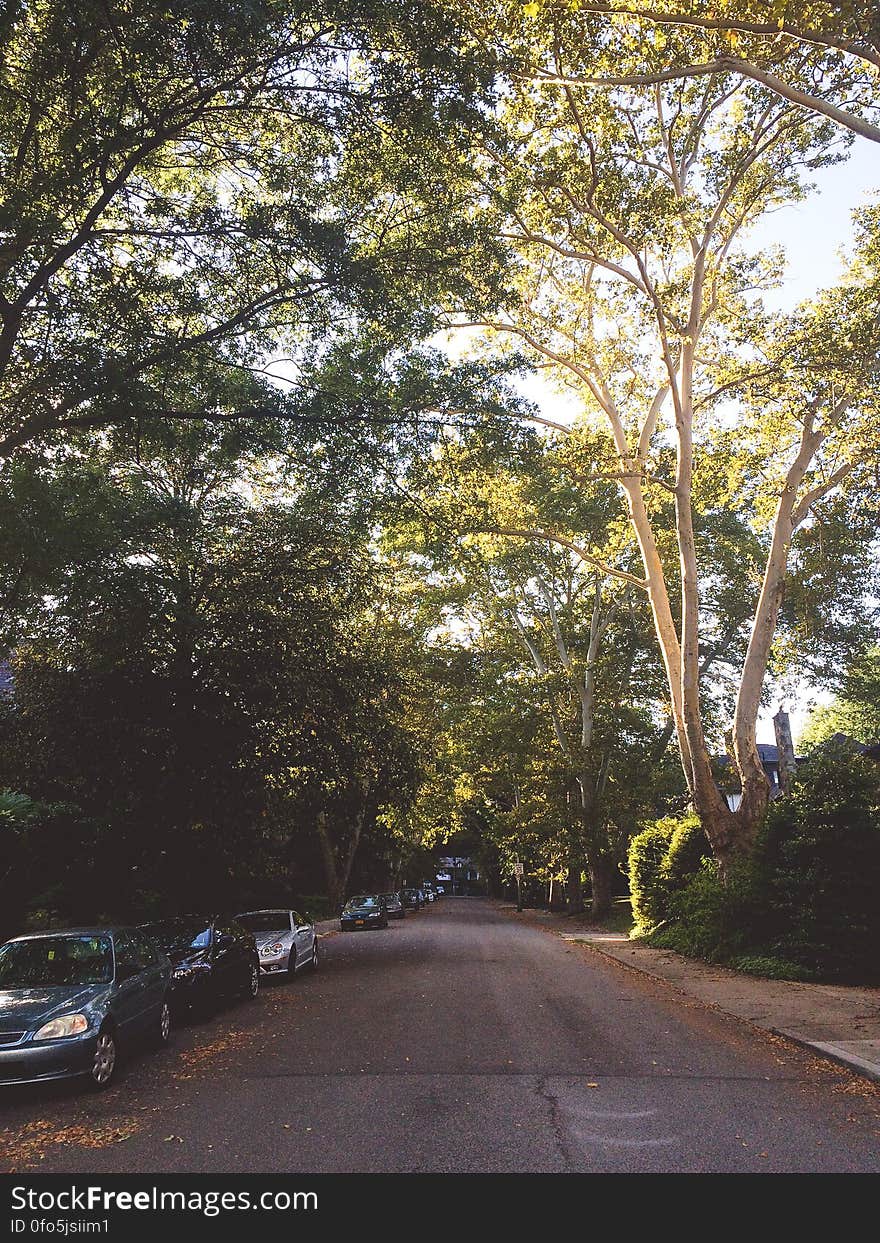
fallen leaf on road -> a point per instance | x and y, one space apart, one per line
30 1141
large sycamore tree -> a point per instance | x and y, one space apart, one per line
627 209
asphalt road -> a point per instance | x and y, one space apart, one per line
460 1040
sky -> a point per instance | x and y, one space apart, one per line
815 231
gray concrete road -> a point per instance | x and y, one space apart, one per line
458 1040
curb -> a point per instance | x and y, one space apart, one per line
833 1053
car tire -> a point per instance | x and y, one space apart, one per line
105 1060
291 963
313 965
163 1026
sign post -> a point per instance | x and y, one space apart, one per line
518 873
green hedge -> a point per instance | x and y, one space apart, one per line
660 861
806 905
820 853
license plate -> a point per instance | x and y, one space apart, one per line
359 923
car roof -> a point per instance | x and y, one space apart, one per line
182 919
104 930
266 910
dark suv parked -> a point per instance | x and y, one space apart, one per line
212 960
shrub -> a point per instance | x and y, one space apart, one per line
821 851
713 918
647 885
661 859
770 968
807 904
688 847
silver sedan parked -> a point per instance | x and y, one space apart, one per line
286 940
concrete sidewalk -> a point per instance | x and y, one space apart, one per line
834 1021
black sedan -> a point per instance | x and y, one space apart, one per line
411 899
213 960
393 905
364 911
70 999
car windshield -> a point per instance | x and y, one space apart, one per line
56 962
266 921
182 934
363 900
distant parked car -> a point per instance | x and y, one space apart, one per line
410 899
427 890
364 911
286 940
212 960
70 1000
393 905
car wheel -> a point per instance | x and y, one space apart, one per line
163 1026
104 1061
291 963
313 965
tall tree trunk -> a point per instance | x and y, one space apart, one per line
328 858
574 888
337 866
601 881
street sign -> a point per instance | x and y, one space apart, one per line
517 869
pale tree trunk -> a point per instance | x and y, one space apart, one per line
789 513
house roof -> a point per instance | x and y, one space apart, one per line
768 753
871 749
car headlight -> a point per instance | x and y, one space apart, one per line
269 951
66 1025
